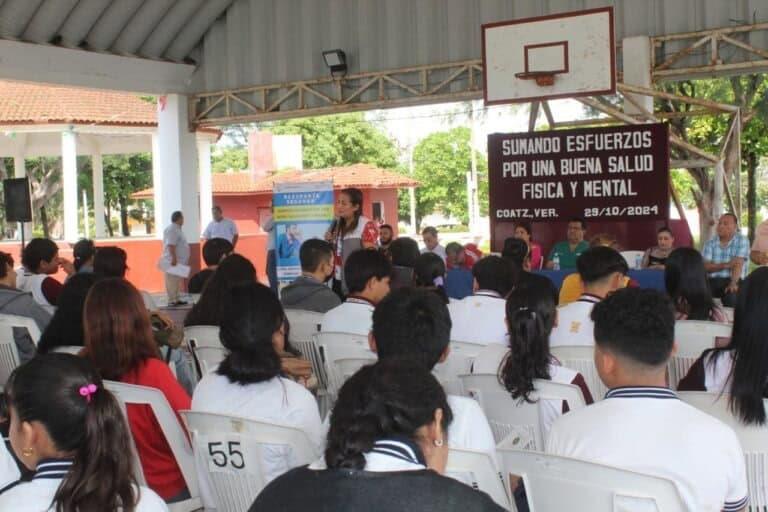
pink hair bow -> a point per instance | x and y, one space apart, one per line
87 391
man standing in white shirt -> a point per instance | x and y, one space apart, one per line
367 274
642 425
479 318
431 242
602 270
414 324
221 227
175 252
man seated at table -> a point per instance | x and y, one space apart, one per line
725 258
602 270
567 251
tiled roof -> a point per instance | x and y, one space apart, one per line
358 175
27 103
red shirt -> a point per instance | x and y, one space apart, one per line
160 469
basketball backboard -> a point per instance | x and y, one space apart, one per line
557 56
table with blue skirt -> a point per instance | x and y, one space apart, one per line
646 278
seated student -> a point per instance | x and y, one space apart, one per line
479 318
686 282
531 314
602 270
386 237
16 302
741 367
630 429
119 343
9 470
70 431
563 255
517 253
458 278
403 253
656 257
431 242
367 274
233 270
40 259
415 325
83 253
309 291
112 261
214 250
430 274
386 451
572 287
249 381
66 326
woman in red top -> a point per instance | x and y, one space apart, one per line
119 343
524 232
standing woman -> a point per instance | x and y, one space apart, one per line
350 232
523 232
70 431
119 343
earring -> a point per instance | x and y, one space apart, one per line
438 442
27 452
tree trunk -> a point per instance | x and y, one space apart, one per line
44 222
752 162
108 219
123 202
705 200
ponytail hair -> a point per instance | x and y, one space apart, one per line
250 316
392 398
429 272
66 395
531 313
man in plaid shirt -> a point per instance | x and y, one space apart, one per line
725 258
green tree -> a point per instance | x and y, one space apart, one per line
233 157
124 175
441 162
337 140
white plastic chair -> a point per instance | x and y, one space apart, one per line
173 431
459 362
343 353
693 337
206 348
631 257
517 421
581 358
481 469
554 483
303 323
753 439
69 349
728 313
228 449
25 322
9 355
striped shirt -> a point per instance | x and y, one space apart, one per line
737 247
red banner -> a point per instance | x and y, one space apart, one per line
616 173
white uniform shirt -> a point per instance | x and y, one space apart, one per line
717 376
354 316
277 400
574 325
479 318
649 430
439 250
37 494
173 235
225 228
27 281
9 471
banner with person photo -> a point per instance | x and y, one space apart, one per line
301 211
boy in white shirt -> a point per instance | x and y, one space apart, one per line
602 270
414 324
480 317
367 274
642 425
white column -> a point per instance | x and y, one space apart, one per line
98 193
157 187
69 171
636 52
20 171
175 173
206 185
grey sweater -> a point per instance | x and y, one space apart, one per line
310 295
16 302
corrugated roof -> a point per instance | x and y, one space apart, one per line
24 103
358 175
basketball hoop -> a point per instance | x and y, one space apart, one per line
543 78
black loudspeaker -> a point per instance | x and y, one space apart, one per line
18 203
